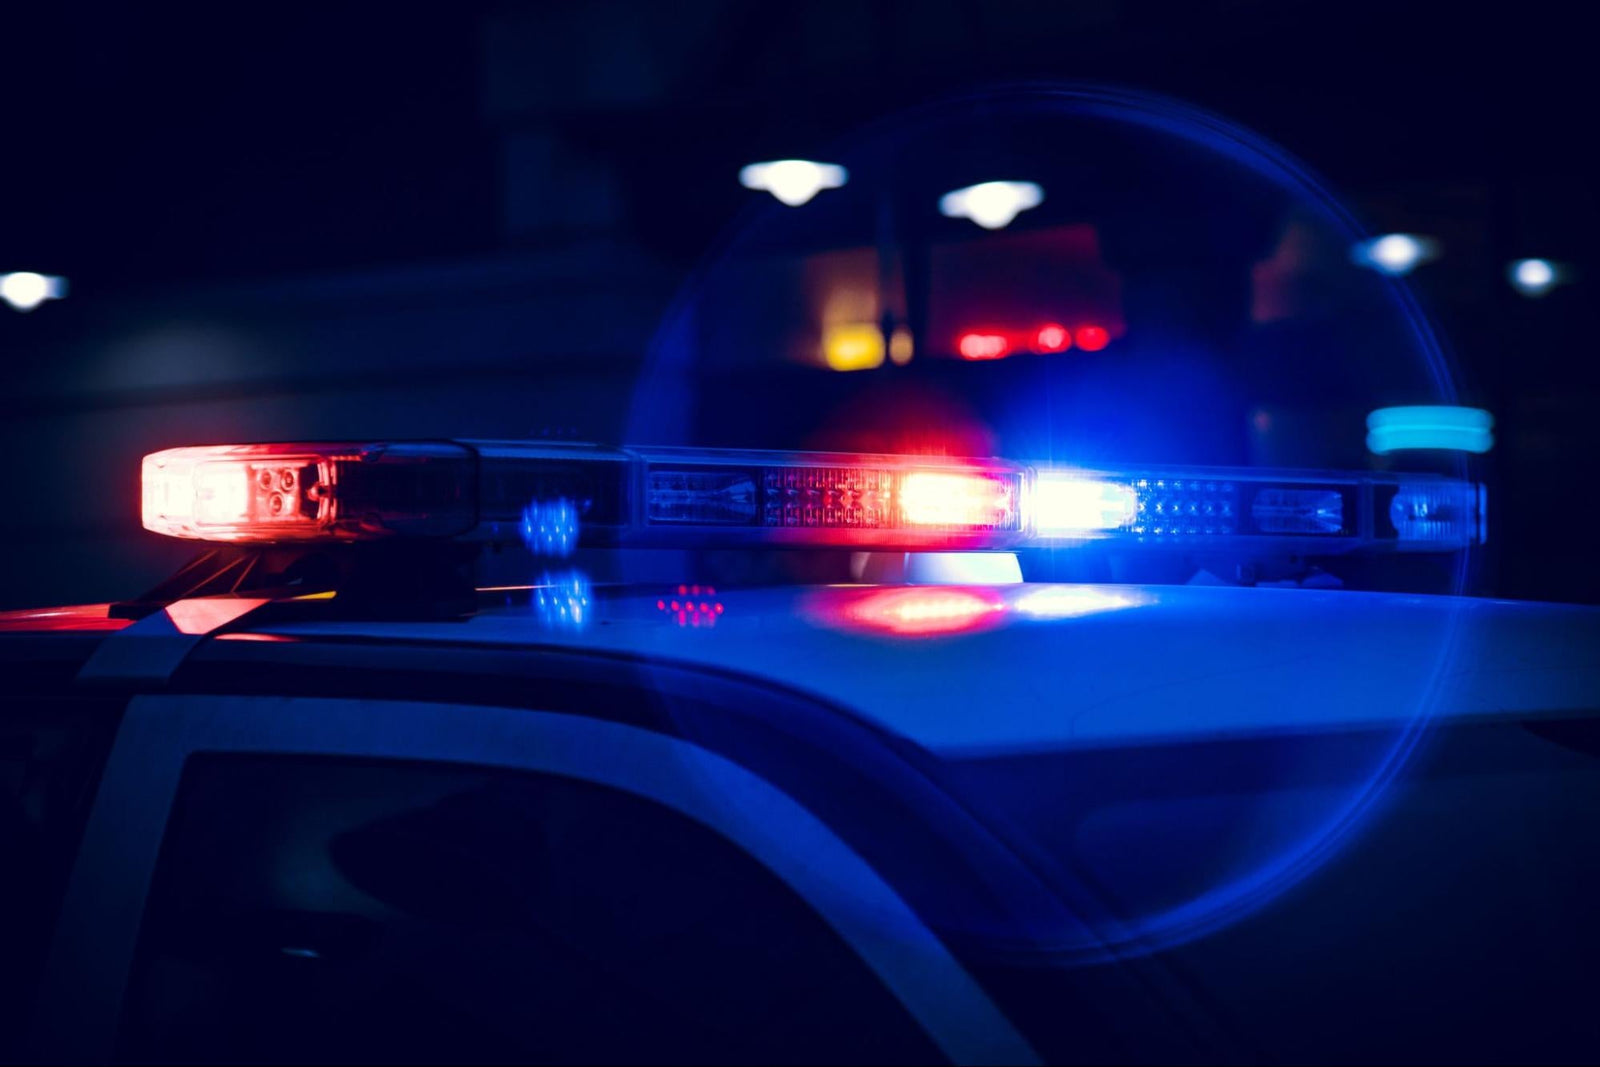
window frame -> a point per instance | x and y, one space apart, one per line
90 962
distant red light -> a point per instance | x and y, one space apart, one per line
982 346
1052 338
1093 338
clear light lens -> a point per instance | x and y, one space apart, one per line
221 493
852 498
952 499
1066 505
270 493
207 494
834 497
1437 513
701 496
1298 511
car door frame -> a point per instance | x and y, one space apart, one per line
81 1001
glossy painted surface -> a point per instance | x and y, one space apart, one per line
1063 718
83 618
1029 667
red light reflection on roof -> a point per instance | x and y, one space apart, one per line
204 614
694 605
982 346
915 611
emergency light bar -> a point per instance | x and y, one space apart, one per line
564 494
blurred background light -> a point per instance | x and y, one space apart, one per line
854 346
1093 338
982 346
1435 427
1395 253
1052 338
1534 277
901 347
26 290
793 181
991 205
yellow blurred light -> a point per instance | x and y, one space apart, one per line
853 346
900 347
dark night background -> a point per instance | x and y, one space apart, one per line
357 221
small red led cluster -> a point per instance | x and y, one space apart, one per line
691 606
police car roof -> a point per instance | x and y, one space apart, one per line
992 669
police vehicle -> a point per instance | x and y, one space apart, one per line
810 754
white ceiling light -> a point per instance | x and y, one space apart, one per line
793 181
1534 277
1395 253
26 290
991 205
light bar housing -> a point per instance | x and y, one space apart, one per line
310 492
710 498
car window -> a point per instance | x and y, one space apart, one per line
313 908
51 752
